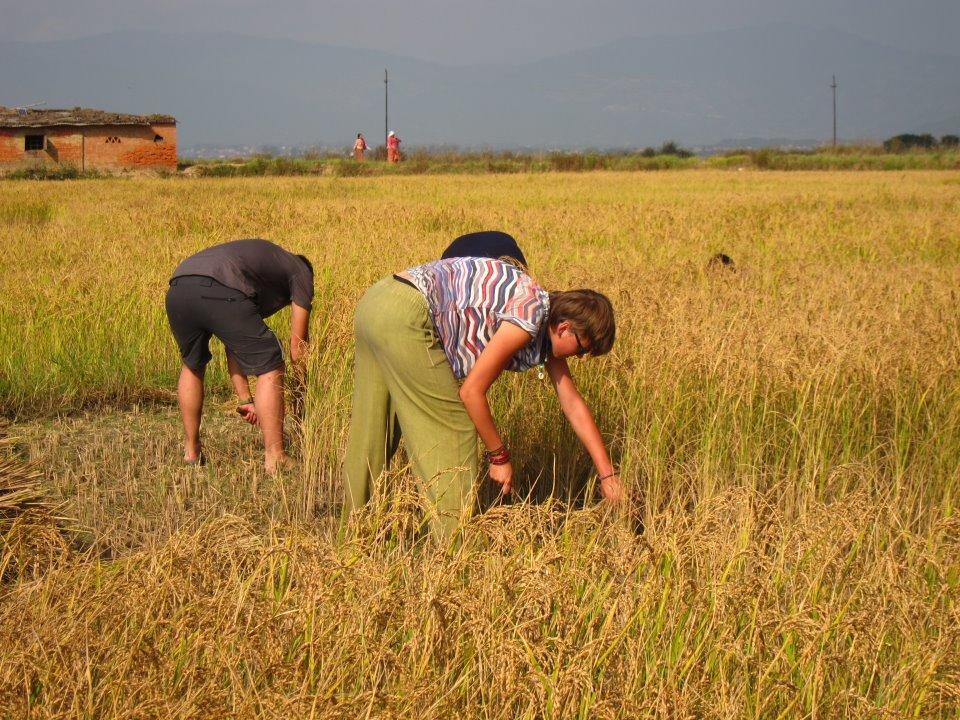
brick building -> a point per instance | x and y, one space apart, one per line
88 139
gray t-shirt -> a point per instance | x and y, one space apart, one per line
261 270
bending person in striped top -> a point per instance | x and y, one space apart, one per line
430 342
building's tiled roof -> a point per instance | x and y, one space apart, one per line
38 117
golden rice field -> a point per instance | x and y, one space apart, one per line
789 432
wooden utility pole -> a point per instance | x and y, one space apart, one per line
386 106
833 85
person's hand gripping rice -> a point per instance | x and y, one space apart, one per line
248 411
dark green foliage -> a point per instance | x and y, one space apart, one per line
51 172
908 141
671 148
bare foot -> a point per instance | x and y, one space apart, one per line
281 462
193 455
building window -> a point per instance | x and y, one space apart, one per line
158 138
33 142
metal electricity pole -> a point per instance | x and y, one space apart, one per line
386 106
833 85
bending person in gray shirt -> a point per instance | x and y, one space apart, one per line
226 291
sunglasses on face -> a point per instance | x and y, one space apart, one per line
581 350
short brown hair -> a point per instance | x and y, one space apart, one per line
591 315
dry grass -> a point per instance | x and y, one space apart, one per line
31 539
789 432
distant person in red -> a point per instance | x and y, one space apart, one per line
393 147
359 147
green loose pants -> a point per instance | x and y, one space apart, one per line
404 384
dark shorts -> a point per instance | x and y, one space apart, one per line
199 306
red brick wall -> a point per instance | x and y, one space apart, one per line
10 153
63 145
116 147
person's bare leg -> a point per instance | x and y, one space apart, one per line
190 396
269 403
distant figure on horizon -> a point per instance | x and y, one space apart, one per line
359 147
393 147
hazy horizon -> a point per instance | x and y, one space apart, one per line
495 31
700 86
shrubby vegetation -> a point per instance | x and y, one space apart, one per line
926 141
945 154
421 162
902 152
65 171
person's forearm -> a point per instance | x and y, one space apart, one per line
239 379
583 424
298 372
478 408
298 356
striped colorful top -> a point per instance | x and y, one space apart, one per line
469 298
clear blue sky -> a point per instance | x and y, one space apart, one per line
453 31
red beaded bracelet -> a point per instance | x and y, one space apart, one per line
500 456
500 459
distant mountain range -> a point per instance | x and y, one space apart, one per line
699 89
